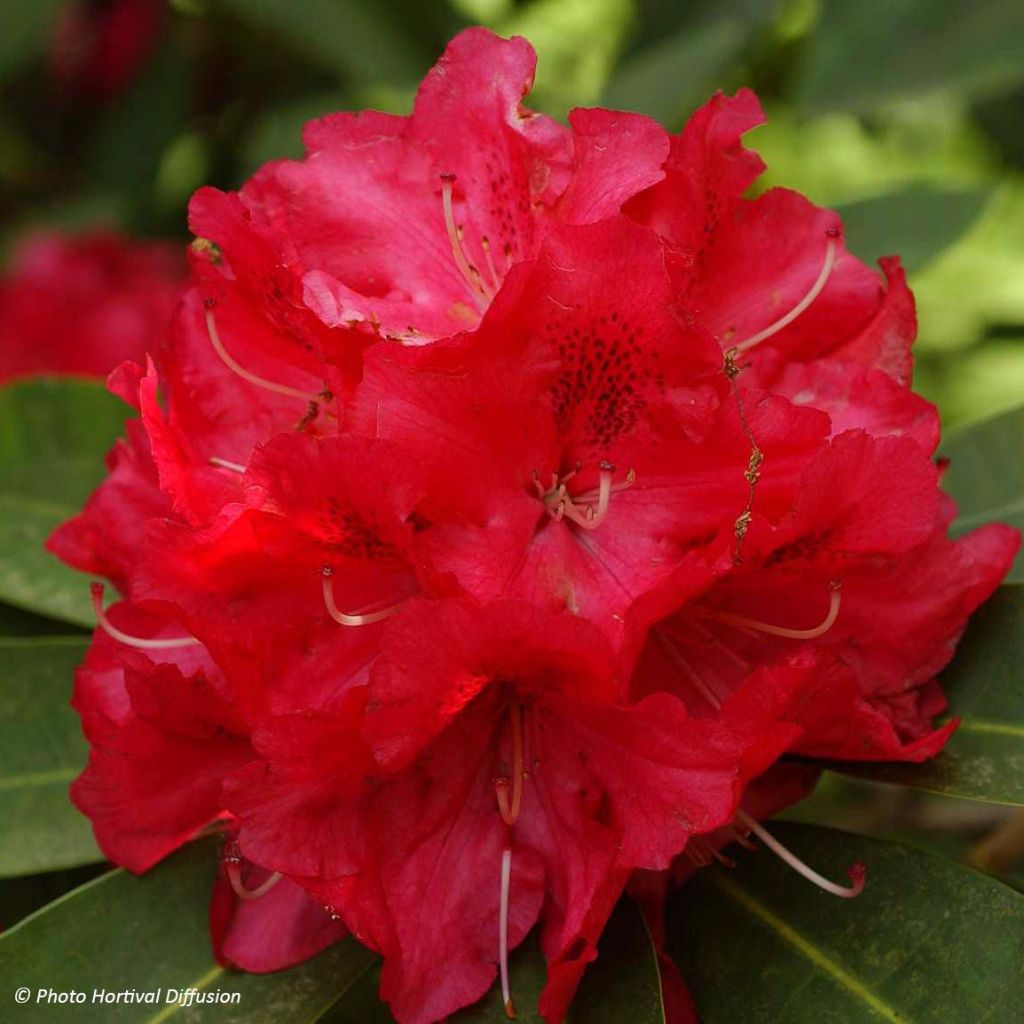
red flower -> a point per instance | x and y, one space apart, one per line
99 47
488 762
517 496
82 305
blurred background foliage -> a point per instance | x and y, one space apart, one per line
907 115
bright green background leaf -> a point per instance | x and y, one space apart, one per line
917 223
986 475
875 51
53 438
927 940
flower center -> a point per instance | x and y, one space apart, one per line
587 509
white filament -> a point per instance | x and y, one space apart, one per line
845 892
506 877
126 638
343 618
785 320
793 634
247 375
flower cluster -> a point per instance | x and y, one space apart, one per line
506 500
82 304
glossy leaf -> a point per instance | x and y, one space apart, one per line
53 437
692 61
364 41
927 940
121 932
917 223
984 759
41 751
871 52
623 983
986 475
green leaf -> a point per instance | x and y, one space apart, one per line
986 475
26 27
144 934
17 622
915 223
624 982
53 437
927 940
668 78
365 42
41 751
984 758
874 51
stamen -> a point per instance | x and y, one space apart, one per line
587 509
126 638
485 244
793 634
234 872
506 877
857 871
481 293
234 467
509 810
815 291
241 371
344 619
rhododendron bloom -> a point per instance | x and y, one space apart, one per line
83 304
506 500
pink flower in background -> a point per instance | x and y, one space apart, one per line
83 304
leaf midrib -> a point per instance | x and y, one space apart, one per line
807 949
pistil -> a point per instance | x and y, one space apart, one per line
247 375
792 634
363 618
786 319
142 643
506 878
857 872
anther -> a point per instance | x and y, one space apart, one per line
241 371
481 293
142 643
815 290
792 634
233 869
485 244
506 878
857 872
345 619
